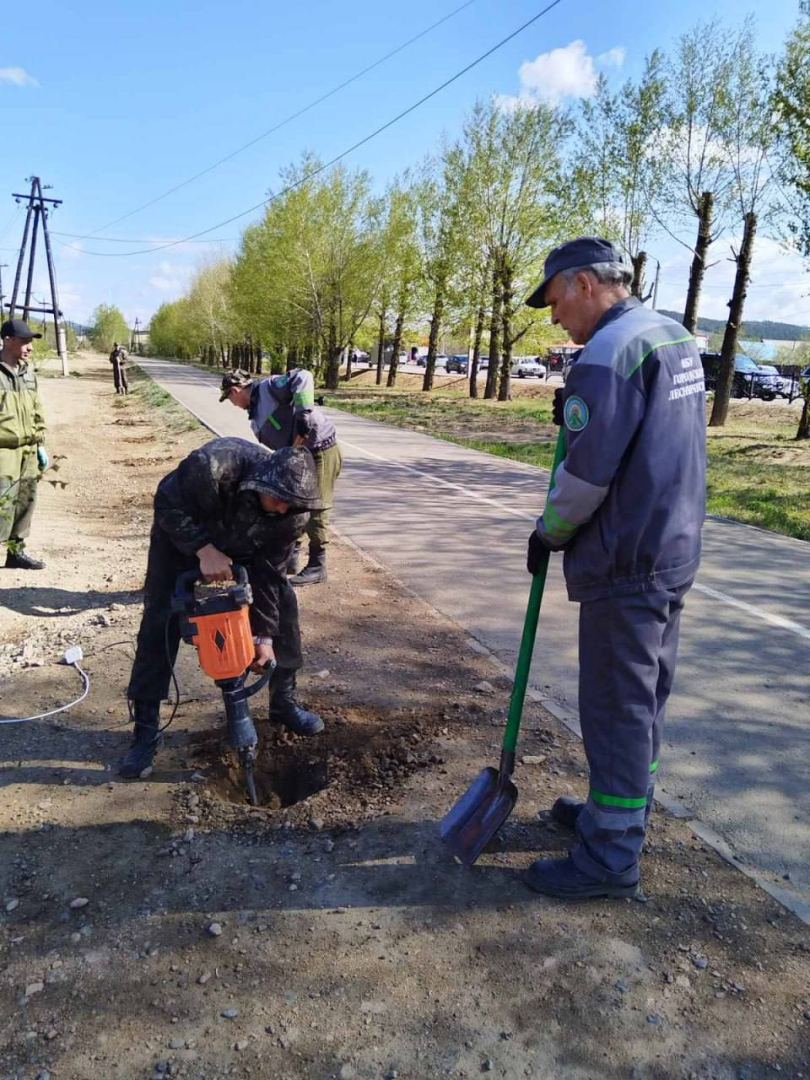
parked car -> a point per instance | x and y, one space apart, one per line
441 360
748 382
527 365
458 363
781 384
483 363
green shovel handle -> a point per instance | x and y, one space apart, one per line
524 661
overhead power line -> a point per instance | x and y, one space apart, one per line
342 154
285 121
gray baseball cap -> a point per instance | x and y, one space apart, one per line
18 328
584 251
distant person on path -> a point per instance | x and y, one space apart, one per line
118 359
282 412
627 508
22 434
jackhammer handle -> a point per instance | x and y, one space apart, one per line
242 692
189 578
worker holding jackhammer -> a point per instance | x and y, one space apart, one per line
627 509
230 501
282 412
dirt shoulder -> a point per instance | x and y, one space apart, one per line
332 937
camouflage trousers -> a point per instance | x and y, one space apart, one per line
19 472
328 464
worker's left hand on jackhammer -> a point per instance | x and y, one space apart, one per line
263 658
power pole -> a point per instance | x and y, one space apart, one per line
136 337
655 286
38 208
3 266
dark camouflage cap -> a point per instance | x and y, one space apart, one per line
233 379
288 475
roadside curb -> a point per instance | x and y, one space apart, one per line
570 718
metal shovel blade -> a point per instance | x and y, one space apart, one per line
469 826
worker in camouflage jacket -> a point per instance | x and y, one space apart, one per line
627 508
22 434
282 412
228 502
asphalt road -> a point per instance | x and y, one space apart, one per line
452 524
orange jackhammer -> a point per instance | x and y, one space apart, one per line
219 626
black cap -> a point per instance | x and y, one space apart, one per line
233 379
584 251
18 328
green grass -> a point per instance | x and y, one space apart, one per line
757 472
146 392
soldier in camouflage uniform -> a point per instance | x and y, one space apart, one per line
22 433
229 501
282 412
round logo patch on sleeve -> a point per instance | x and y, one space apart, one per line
576 414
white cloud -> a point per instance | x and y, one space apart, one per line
17 76
613 57
566 72
169 278
779 289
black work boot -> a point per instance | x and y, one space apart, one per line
19 560
315 570
566 810
284 707
137 762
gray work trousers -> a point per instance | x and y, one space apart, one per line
628 646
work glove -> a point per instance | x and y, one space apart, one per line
42 458
557 408
303 425
320 400
537 553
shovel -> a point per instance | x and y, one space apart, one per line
469 826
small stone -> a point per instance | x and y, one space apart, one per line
807 1014
485 687
12 905
229 1014
317 824
51 1034
487 1065
241 1045
203 979
329 846
293 888
79 902
215 929
34 988
323 674
347 1072
177 1044
533 759
653 1019
44 1075
76 938
700 962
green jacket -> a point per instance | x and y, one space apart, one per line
21 419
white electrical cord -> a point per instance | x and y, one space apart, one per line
72 657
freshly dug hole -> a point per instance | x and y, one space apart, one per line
362 753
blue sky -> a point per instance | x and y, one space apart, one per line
114 104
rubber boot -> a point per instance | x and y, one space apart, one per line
315 570
137 762
566 810
284 706
20 560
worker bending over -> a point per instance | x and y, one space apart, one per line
229 501
282 412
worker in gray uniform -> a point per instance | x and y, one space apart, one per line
282 412
627 509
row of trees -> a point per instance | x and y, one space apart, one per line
709 144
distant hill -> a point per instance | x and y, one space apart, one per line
753 329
